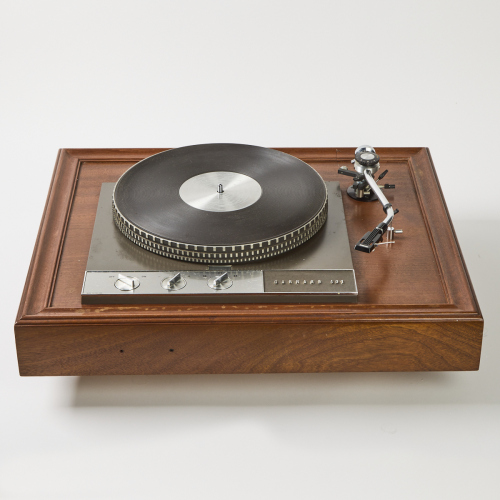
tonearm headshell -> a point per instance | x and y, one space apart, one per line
365 188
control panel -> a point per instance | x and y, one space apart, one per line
249 286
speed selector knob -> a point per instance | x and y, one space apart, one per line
126 283
176 282
220 282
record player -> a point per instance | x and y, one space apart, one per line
232 223
230 258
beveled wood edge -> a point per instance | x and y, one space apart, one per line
25 296
453 270
423 203
305 154
35 302
45 259
224 319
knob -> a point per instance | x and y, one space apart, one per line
367 158
176 282
126 283
220 282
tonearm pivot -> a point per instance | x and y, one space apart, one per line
365 188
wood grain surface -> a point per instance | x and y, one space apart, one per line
416 310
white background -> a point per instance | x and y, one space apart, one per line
270 73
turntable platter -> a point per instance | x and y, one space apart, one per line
220 203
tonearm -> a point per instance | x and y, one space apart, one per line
365 188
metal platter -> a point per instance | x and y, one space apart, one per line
220 203
220 191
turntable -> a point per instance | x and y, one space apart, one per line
229 258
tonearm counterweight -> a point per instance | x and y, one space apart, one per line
365 188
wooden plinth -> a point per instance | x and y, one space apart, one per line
416 312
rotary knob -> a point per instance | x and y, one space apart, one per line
176 282
126 283
220 282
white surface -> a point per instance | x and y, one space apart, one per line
282 73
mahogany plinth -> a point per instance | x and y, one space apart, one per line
416 311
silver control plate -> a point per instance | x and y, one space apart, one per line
99 286
220 191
